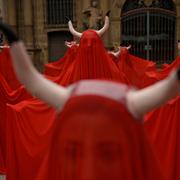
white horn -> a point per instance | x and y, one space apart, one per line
105 27
142 101
73 31
34 82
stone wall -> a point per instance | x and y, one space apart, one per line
28 19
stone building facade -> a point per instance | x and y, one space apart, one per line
29 20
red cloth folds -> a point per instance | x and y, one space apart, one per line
11 92
31 123
94 137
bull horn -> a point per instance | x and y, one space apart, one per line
73 31
142 101
105 27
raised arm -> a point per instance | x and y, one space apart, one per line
53 94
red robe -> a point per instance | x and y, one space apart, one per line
11 92
94 137
91 61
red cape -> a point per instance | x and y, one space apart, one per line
39 149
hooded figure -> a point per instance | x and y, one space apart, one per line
99 133
92 60
98 138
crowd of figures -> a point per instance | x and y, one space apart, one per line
104 128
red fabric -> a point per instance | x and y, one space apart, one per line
74 66
30 139
7 95
6 69
55 68
114 58
94 140
163 128
162 125
91 62
11 92
135 69
84 64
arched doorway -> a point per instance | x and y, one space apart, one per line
150 29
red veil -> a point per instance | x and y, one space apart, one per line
95 137
91 62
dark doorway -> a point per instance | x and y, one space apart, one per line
56 41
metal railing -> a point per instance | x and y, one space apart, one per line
57 10
151 32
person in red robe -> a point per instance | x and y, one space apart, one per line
99 132
92 61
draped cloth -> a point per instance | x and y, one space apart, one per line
79 64
135 69
162 126
54 69
89 60
11 92
94 137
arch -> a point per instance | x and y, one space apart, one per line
150 29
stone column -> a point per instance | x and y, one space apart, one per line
40 34
28 23
2 9
116 22
11 13
105 6
20 17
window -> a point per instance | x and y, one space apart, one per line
57 10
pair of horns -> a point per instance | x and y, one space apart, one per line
99 32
